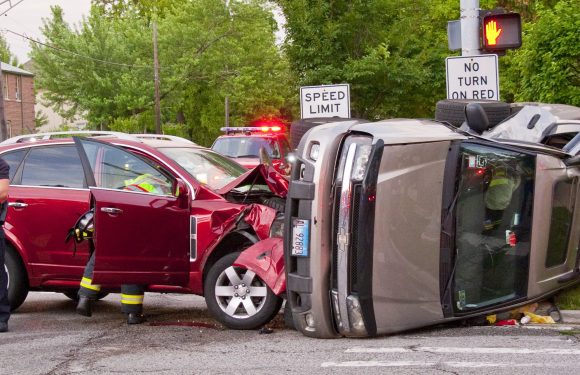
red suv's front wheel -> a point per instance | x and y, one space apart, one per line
237 297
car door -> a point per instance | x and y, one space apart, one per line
47 194
141 236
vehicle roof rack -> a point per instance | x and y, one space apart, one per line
53 135
164 137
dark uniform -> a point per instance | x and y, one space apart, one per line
131 296
4 303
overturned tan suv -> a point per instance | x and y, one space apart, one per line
399 224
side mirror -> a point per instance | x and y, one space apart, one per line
476 118
181 193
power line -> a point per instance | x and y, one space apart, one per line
78 54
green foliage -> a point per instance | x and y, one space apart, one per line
391 52
5 55
547 67
40 119
569 299
208 50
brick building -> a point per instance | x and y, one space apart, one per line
18 85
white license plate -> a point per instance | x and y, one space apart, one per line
300 242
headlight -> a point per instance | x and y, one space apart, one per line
277 228
361 158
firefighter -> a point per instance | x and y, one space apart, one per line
504 181
132 295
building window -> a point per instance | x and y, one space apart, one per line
5 86
18 93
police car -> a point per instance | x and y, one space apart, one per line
243 144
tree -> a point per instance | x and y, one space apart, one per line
547 66
208 50
5 54
391 52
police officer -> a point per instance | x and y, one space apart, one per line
4 303
132 295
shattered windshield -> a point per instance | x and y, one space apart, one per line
206 166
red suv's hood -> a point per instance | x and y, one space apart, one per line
261 174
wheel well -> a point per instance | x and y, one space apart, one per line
235 241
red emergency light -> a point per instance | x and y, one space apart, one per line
250 129
501 31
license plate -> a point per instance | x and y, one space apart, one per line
300 243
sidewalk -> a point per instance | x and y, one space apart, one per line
570 316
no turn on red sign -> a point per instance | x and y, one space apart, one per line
472 77
325 101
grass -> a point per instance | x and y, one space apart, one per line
569 299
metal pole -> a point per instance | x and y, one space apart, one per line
3 127
156 75
469 27
227 105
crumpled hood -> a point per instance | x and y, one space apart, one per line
261 174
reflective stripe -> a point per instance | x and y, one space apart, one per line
87 283
132 299
498 181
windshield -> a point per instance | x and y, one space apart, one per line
246 147
206 166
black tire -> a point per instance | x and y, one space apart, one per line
453 111
73 294
266 306
17 278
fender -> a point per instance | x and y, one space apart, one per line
266 259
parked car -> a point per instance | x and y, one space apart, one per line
183 240
244 144
399 224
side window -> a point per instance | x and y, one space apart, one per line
122 170
14 158
562 213
58 166
492 226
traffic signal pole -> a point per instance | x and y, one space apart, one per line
469 12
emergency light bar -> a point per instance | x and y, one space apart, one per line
249 129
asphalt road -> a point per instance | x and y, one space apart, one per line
47 337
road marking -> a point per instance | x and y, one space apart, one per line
458 350
437 364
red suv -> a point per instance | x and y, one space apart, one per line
243 144
185 239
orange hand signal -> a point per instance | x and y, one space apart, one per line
492 33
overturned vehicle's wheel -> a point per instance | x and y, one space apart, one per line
237 297
453 111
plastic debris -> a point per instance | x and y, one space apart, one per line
540 319
507 322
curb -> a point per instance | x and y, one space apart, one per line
570 316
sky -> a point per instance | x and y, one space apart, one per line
26 18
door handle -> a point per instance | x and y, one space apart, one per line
17 204
111 210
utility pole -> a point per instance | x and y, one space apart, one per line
156 79
227 105
3 126
469 14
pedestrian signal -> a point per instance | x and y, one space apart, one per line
501 31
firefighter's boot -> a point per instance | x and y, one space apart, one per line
84 307
135 318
